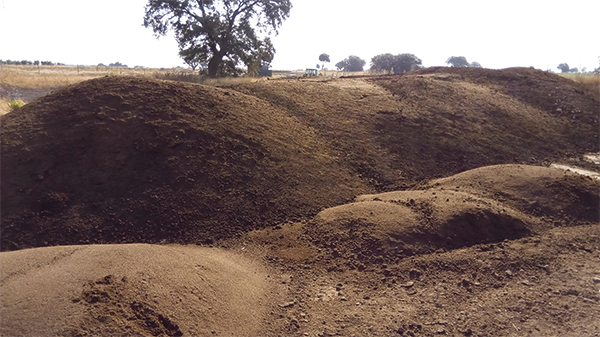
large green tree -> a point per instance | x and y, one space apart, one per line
221 33
564 68
383 62
458 61
397 64
351 63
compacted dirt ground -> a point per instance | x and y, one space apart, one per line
413 205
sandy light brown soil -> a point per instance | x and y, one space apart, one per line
133 290
413 205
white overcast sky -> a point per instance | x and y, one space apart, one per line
497 34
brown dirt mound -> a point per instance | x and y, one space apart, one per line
463 210
118 160
136 160
437 122
141 290
560 197
541 285
456 258
389 229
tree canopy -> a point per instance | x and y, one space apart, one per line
397 64
324 58
221 33
383 62
351 63
461 61
563 67
458 61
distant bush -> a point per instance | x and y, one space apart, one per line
15 104
118 64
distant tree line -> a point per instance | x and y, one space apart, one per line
564 68
116 64
31 63
48 63
396 64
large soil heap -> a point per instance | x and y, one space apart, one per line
120 159
136 160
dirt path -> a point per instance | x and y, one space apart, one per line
25 94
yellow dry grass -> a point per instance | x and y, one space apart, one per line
4 105
591 81
189 76
325 73
50 77
44 77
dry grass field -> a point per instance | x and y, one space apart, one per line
26 83
591 81
44 77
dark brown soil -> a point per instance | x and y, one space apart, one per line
118 159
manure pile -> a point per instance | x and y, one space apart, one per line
121 159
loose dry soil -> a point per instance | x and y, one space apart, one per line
413 205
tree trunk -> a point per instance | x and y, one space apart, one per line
214 63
